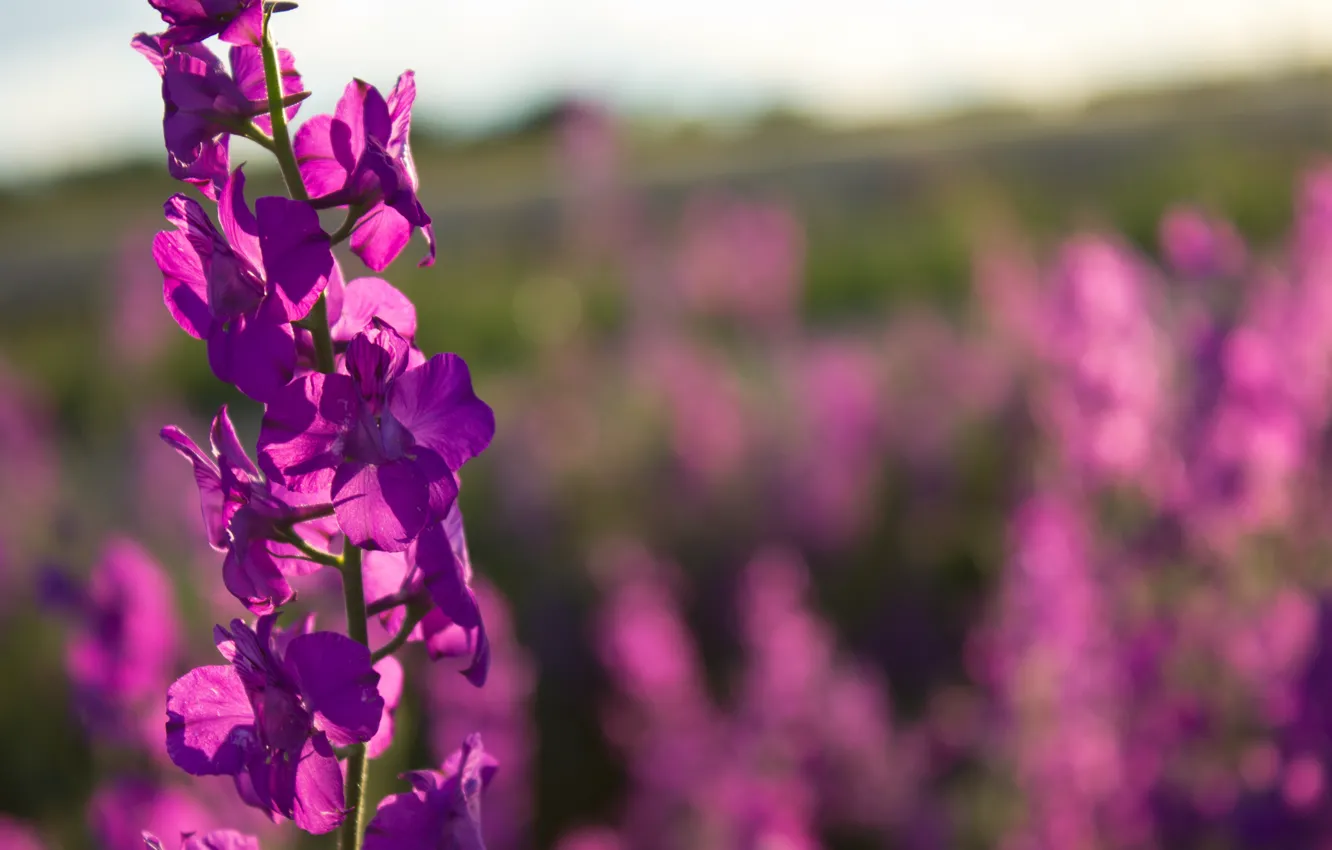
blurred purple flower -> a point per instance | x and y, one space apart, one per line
125 639
190 21
360 157
273 715
247 517
240 291
120 813
385 440
16 835
219 839
1201 246
442 812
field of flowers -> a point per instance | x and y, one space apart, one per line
945 536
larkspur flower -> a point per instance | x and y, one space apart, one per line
436 570
120 811
442 812
203 104
360 157
351 307
245 516
190 21
218 839
240 291
384 440
272 716
125 641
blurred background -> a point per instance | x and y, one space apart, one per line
913 419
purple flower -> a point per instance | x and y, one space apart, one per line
189 21
272 716
16 835
219 839
119 813
435 568
360 156
203 103
351 307
385 440
240 291
443 812
125 644
242 514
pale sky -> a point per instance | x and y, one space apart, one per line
74 93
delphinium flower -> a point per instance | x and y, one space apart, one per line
190 21
1201 246
1105 402
433 576
124 644
218 839
272 716
385 440
239 291
360 157
1050 652
122 810
204 104
501 713
16 835
259 525
443 809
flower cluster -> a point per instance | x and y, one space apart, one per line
362 442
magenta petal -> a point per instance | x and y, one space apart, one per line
390 688
238 223
436 405
221 839
251 575
246 27
367 297
380 236
380 506
446 576
211 496
296 253
400 102
247 69
320 169
302 439
318 802
255 354
227 446
376 356
210 725
338 684
206 170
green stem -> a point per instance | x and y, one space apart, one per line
353 594
396 642
319 556
286 157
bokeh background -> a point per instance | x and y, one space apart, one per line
912 418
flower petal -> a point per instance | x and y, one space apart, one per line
380 506
338 684
238 223
437 406
210 725
380 236
365 298
251 575
390 688
256 354
447 576
296 253
304 431
211 497
321 171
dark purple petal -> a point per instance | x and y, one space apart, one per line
238 223
443 810
381 506
151 48
365 298
338 684
210 725
380 236
296 253
221 839
317 804
376 356
256 354
211 496
320 169
252 575
305 429
184 286
390 688
447 575
436 405
246 27
206 170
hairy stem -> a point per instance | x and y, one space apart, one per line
286 157
353 594
414 616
